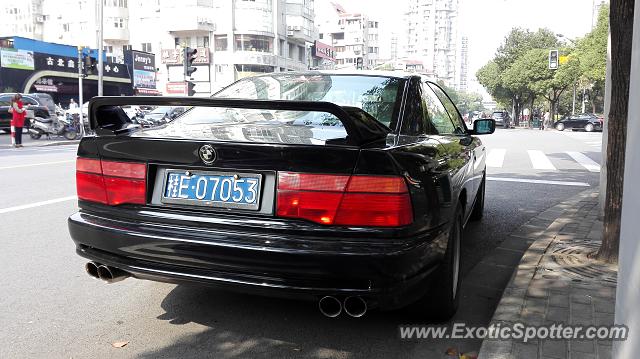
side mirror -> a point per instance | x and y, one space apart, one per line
485 126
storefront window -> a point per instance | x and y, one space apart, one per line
221 43
253 43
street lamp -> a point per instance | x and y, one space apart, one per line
573 107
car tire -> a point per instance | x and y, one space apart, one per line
589 127
478 207
442 300
560 127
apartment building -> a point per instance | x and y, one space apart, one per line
22 18
462 75
431 36
234 38
354 36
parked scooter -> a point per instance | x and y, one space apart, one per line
57 126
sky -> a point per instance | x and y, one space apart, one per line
487 22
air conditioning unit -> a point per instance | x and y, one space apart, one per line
40 18
297 28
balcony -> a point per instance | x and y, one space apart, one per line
115 34
192 19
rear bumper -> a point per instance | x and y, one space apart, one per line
388 275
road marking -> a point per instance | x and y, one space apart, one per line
584 161
36 164
540 161
496 157
526 180
36 204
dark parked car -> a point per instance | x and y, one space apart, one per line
588 122
502 118
44 99
348 189
163 114
39 109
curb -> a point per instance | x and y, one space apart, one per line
514 294
47 144
59 143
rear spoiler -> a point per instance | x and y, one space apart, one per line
107 119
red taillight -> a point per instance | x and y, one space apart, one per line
379 201
110 182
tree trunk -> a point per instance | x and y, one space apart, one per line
533 99
552 114
621 26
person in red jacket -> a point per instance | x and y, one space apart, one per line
17 121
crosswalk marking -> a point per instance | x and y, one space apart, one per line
496 157
584 161
540 161
529 180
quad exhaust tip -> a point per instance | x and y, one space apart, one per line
354 306
92 269
104 272
330 306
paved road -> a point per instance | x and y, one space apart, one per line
52 309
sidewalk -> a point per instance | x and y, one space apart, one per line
5 141
556 283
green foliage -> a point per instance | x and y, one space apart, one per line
592 50
465 101
519 70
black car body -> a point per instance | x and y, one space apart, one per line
353 200
588 122
39 110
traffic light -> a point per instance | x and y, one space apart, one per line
191 88
359 63
189 56
553 60
90 66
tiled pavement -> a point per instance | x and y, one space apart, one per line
556 282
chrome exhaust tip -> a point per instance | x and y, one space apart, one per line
330 306
92 269
355 306
111 274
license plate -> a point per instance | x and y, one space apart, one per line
212 189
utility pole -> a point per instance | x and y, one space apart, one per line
573 108
100 42
80 89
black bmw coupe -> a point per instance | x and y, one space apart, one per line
350 189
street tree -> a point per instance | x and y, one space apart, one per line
621 23
592 54
515 45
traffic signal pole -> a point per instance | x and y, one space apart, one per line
100 45
80 90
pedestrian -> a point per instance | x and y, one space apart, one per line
17 120
547 117
72 104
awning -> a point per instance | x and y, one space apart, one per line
147 92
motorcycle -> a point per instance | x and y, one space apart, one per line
65 126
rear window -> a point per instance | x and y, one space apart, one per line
376 95
251 125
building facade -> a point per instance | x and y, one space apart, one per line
462 75
431 36
23 18
355 38
234 38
